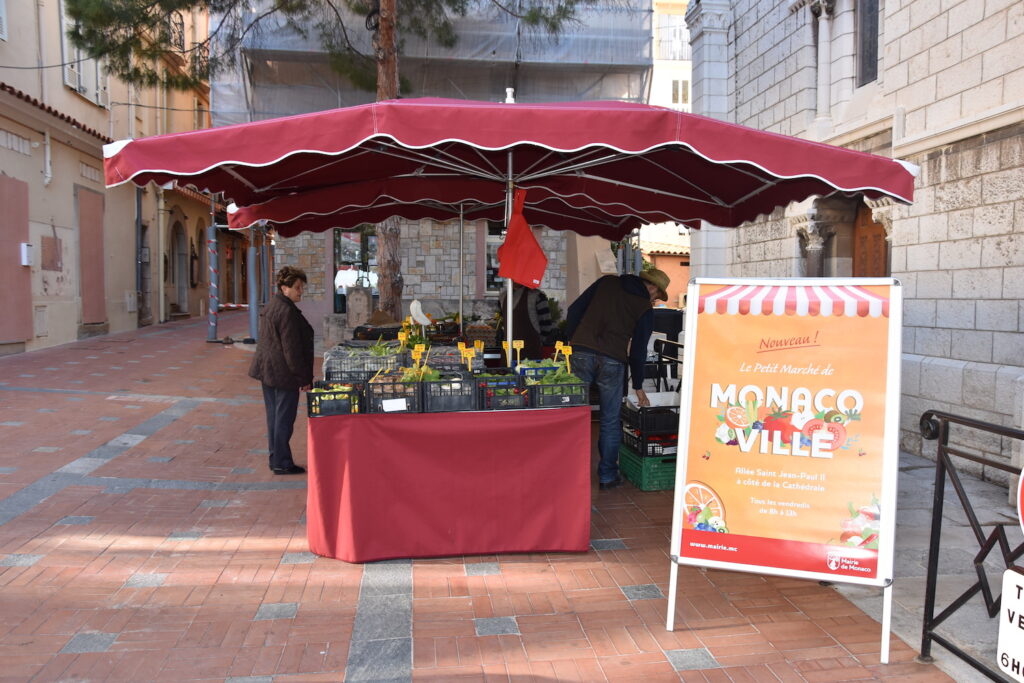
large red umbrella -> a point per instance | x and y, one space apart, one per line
598 168
632 162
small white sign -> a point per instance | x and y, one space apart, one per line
394 405
1010 650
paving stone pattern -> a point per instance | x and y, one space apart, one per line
155 545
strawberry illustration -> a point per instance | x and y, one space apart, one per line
781 421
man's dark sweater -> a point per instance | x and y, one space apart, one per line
614 314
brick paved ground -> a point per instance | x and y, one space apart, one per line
143 538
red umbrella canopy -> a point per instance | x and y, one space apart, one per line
620 163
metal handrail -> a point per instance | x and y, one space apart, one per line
934 425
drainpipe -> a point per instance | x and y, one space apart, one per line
250 269
138 251
160 254
47 160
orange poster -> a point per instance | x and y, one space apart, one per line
788 428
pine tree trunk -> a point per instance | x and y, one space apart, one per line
389 273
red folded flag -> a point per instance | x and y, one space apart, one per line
520 258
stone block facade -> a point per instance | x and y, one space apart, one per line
947 98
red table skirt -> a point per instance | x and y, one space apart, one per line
402 485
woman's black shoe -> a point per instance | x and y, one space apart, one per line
605 485
293 469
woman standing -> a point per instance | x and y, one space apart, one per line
284 365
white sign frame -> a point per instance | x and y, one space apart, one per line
890 458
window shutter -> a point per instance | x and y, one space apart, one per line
102 84
69 54
3 20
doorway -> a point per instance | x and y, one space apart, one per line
180 268
870 246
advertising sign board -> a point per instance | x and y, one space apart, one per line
1010 646
788 438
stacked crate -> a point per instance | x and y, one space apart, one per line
650 436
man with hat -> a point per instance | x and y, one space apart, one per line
609 326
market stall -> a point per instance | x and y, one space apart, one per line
596 168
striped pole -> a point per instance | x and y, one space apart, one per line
211 249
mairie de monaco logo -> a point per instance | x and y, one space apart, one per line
832 560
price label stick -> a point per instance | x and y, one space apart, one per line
416 355
517 344
468 356
508 353
462 346
402 337
478 345
567 352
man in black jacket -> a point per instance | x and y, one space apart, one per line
284 365
609 326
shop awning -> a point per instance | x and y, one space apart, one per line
848 300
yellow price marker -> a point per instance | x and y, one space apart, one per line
567 352
420 347
517 344
462 346
478 345
508 353
468 355
402 336
416 355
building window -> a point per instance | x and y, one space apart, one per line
176 31
680 91
198 114
355 263
3 19
673 38
83 74
867 42
495 238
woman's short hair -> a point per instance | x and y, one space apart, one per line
287 276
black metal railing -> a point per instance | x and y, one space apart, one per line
935 425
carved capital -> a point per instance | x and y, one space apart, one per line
710 15
881 212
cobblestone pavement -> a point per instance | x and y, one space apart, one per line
142 538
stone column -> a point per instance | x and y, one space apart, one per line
822 11
708 22
816 223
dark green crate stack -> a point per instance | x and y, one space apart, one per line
651 472
655 473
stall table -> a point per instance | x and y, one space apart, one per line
404 485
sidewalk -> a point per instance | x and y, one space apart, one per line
142 537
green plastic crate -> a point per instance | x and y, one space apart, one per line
653 473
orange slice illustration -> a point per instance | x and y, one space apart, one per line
700 495
736 417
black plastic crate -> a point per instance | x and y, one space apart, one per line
390 395
559 395
338 398
652 420
449 359
501 389
650 445
342 363
449 394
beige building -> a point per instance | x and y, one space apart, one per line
79 259
937 84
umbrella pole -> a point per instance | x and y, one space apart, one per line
508 281
462 270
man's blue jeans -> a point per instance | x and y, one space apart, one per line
609 375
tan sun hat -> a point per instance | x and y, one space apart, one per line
659 279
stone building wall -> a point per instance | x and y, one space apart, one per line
959 252
774 75
430 267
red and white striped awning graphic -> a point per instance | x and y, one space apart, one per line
848 300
